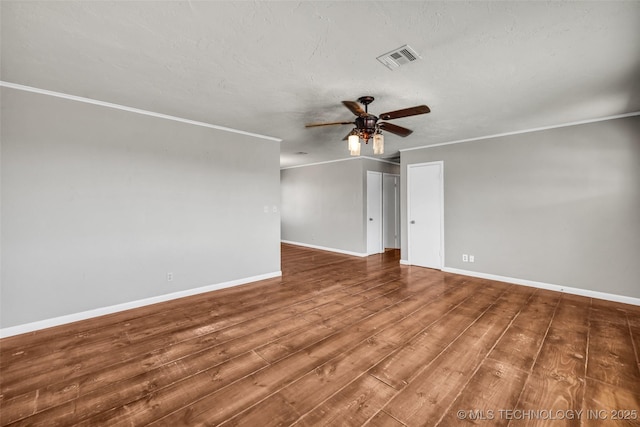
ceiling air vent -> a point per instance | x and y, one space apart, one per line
397 57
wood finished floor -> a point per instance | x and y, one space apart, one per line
336 341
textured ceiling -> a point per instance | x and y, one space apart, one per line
270 67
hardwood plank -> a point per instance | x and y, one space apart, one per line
292 343
428 396
404 364
553 392
607 311
25 406
556 384
280 348
565 346
274 411
169 332
522 341
224 350
353 406
612 359
243 393
318 385
142 390
223 344
382 419
303 395
494 387
418 321
635 337
565 350
401 367
519 347
605 404
283 372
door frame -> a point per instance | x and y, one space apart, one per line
379 229
440 163
398 213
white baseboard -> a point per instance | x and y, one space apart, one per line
323 248
404 262
69 318
548 286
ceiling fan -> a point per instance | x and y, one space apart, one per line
368 125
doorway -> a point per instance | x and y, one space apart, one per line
383 212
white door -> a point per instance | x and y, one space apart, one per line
374 213
425 214
391 211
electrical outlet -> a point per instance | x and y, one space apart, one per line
169 277
472 258
465 258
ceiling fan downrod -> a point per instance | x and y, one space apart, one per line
366 124
366 100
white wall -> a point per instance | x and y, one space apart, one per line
99 204
559 206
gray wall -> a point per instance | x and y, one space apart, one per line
325 204
98 205
560 206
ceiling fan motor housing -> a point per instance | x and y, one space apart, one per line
367 123
366 126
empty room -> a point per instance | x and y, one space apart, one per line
309 213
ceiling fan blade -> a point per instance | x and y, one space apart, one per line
406 112
355 108
312 125
346 137
398 130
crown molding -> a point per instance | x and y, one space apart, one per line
340 160
498 135
132 110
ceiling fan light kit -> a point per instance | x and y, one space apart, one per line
378 144
367 125
354 144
